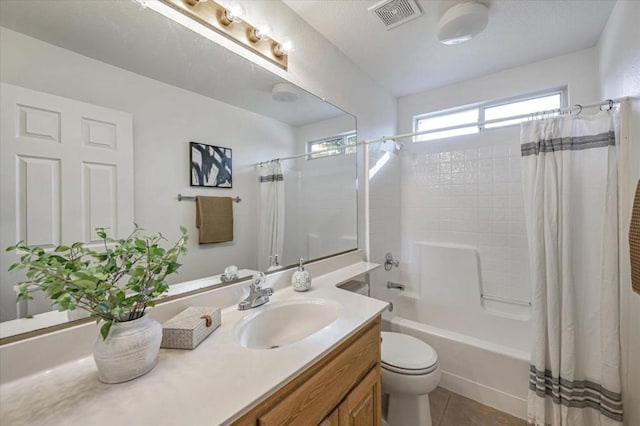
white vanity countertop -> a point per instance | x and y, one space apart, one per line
214 384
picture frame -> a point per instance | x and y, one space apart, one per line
210 165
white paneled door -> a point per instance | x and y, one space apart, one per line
66 168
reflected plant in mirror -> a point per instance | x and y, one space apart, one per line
114 285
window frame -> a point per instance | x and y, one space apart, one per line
344 136
482 106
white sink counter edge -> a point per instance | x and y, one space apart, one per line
214 384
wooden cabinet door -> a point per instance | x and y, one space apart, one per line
362 407
333 419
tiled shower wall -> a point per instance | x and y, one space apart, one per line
467 190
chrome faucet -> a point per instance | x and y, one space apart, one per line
258 296
397 286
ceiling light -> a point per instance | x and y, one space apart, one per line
284 92
462 22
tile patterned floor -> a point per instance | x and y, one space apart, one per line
451 409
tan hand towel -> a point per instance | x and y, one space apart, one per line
214 219
634 241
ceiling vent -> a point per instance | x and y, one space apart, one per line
396 12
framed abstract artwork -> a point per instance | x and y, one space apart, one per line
210 165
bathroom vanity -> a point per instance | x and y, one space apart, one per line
343 388
331 376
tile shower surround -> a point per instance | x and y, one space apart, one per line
466 190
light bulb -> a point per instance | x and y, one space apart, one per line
282 49
261 32
232 13
235 12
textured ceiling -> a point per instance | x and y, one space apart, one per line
409 59
123 34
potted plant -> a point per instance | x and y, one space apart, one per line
115 284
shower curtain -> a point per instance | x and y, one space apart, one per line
569 169
271 231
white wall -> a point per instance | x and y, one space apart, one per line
165 119
619 66
467 189
385 206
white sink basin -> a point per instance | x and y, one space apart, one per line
279 324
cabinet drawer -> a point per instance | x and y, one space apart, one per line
316 397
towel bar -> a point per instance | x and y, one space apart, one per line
191 198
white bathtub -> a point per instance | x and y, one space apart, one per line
483 349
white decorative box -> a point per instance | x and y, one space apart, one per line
190 327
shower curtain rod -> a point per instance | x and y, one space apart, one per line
579 107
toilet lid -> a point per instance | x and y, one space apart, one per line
406 354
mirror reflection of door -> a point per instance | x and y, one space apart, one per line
66 169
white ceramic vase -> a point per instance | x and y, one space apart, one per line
130 350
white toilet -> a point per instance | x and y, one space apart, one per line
409 373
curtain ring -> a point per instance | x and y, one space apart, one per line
579 106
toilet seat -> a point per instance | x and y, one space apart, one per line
407 355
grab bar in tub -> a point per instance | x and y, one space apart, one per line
506 300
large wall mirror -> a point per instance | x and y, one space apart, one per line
100 102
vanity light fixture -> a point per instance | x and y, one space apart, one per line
261 32
283 49
230 15
230 22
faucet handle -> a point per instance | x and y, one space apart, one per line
257 281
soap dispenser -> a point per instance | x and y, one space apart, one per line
301 279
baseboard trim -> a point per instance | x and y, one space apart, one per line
485 395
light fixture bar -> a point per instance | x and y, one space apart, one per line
215 17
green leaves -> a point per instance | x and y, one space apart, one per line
104 330
114 284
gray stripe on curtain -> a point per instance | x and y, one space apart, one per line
271 178
574 143
578 393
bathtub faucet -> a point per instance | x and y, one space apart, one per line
398 286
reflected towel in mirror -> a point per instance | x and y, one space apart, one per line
214 219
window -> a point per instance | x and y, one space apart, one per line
527 106
335 145
470 120
442 121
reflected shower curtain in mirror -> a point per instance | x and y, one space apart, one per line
569 168
271 232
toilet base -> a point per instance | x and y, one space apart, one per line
408 411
